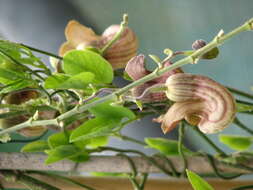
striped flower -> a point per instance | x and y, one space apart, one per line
200 101
135 68
79 36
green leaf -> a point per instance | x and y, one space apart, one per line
96 127
98 141
17 85
236 142
107 110
78 61
197 182
63 81
81 157
10 75
61 153
5 138
58 139
37 146
126 76
213 53
108 174
165 146
21 54
240 107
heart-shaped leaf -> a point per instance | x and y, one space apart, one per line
236 142
36 146
78 61
97 127
197 182
165 146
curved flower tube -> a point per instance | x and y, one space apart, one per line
200 101
135 68
79 36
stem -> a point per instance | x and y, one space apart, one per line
134 183
239 92
242 126
180 146
18 63
149 159
216 148
215 169
143 181
26 180
153 75
42 51
62 178
243 187
117 35
127 138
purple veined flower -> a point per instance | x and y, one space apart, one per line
135 68
79 37
199 100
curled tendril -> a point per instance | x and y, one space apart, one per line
200 101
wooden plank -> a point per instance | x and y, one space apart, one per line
20 161
123 184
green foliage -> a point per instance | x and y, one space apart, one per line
236 142
213 53
13 51
58 139
36 146
78 61
97 127
108 174
63 81
65 152
197 182
165 146
240 107
107 110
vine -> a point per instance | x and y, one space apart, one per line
80 104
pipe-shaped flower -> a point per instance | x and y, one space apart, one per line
135 68
79 36
200 101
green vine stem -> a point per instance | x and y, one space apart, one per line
117 36
239 92
115 95
243 187
180 146
242 126
130 139
61 178
218 174
28 181
18 63
149 159
42 51
216 148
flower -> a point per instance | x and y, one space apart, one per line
200 101
79 37
135 68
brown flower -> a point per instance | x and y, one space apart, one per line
79 37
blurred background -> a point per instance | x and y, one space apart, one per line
159 24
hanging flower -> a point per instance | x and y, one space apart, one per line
135 68
79 36
200 101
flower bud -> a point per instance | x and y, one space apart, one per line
123 49
213 53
